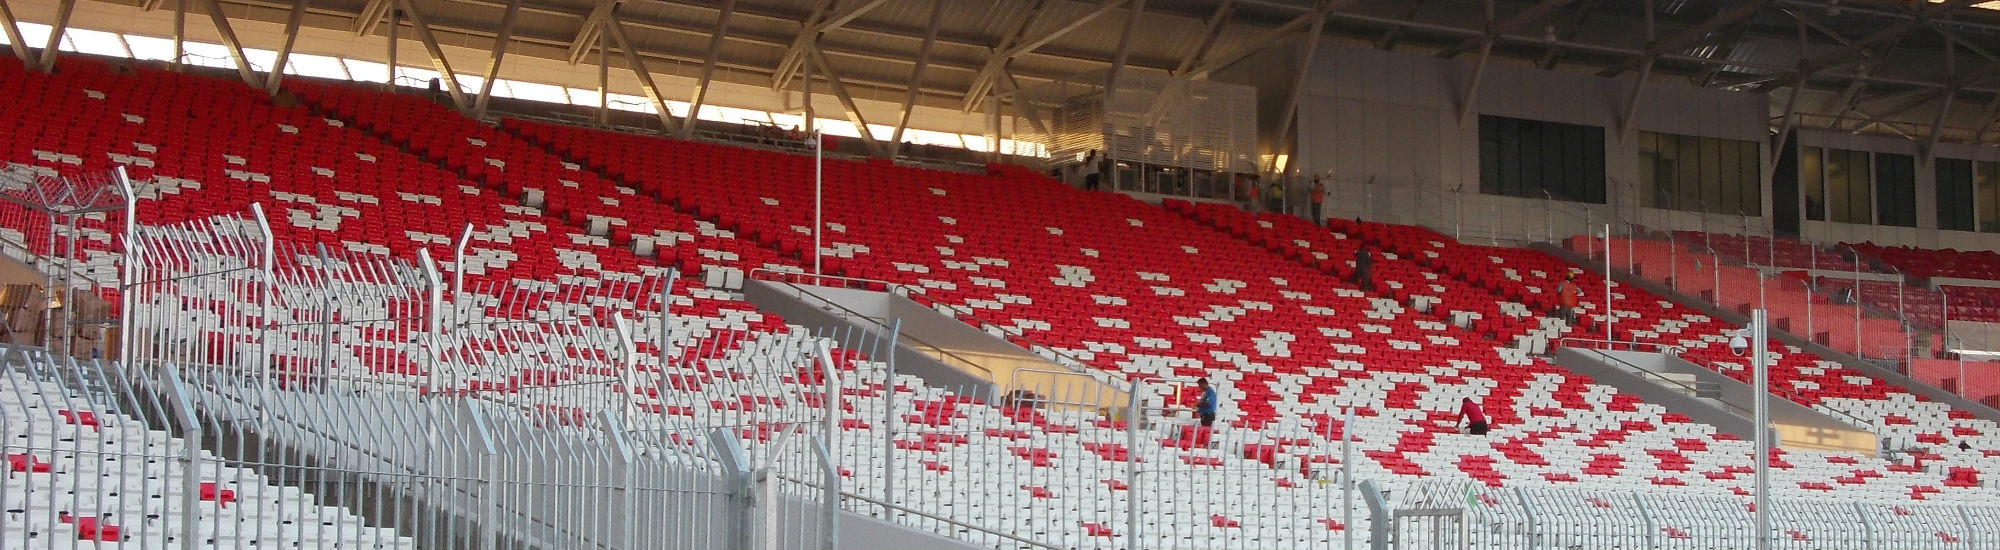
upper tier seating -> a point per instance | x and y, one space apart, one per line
1778 252
1926 263
1791 305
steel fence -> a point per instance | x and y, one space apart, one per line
345 389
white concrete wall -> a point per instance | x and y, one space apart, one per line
1394 118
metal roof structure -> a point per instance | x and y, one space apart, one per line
1923 69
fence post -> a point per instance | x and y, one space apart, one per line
434 322
830 431
182 407
1646 514
1867 527
1132 422
1534 524
267 285
487 454
889 416
743 494
622 453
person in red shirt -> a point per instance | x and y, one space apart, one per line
1318 197
1471 419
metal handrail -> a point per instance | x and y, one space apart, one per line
852 314
1075 365
1633 345
1789 396
927 515
1663 378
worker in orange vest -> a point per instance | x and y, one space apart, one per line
1568 294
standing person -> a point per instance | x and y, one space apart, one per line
1205 408
1090 170
1362 262
1318 199
1568 294
1470 413
1276 198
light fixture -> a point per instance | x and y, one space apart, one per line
1549 33
1833 7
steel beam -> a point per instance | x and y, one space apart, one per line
846 101
292 20
1886 35
370 16
1986 121
499 53
1575 22
1132 14
1722 52
64 10
1395 33
1494 30
1625 125
1290 113
815 25
229 41
180 34
916 78
1471 97
1929 148
638 64
983 82
1024 105
449 77
592 29
707 68
603 78
395 42
1967 44
1213 30
14 35
1738 11
1280 33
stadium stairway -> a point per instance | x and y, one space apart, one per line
1820 356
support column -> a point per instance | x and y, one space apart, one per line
14 35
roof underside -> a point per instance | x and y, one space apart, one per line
1867 65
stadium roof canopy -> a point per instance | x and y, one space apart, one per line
1915 68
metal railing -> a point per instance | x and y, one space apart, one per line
1523 517
1058 357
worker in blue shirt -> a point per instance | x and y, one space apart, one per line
1206 407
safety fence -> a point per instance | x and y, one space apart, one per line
346 387
1533 518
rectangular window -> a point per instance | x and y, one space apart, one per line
1954 194
1538 159
1701 174
1812 180
1986 188
1847 187
1896 189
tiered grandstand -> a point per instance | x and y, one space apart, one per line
318 313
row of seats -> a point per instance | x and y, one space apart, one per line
1124 286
